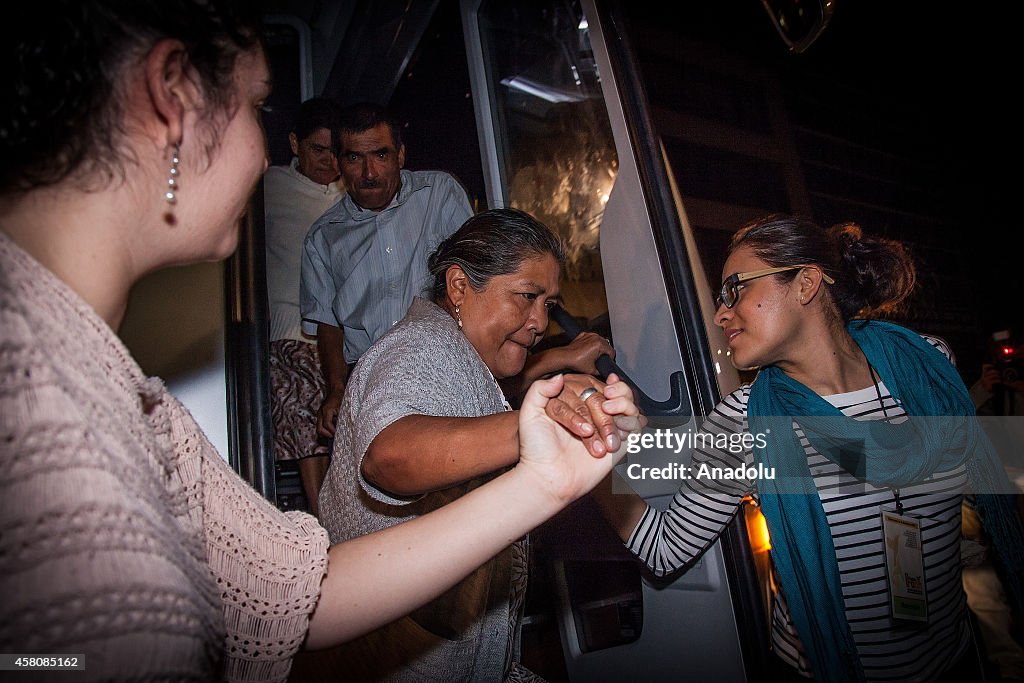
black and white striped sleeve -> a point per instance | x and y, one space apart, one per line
670 540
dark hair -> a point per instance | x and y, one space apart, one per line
314 114
491 243
64 66
873 275
362 116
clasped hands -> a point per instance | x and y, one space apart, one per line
558 430
588 408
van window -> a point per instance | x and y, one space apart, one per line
555 150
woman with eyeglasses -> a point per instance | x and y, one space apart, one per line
863 430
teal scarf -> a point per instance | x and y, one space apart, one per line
924 383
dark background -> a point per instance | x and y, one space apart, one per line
926 82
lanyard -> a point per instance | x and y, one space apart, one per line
885 414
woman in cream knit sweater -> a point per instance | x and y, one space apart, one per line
131 143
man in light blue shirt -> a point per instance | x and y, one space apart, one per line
366 258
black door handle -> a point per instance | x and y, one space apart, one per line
674 406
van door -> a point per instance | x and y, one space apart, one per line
565 134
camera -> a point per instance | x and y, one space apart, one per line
1007 357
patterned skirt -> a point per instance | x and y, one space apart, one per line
296 392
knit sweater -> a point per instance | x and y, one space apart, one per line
124 537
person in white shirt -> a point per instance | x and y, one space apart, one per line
294 197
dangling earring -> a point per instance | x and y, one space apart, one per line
458 317
170 194
172 180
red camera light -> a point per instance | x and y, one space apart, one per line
1008 351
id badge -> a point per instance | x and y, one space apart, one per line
904 562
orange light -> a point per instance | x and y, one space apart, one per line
757 529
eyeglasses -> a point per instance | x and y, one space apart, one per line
730 292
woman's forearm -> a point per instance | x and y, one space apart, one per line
422 453
375 579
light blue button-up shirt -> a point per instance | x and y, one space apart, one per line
361 269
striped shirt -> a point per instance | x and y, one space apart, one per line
667 541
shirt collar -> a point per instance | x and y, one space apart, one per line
411 182
293 170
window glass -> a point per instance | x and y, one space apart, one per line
555 150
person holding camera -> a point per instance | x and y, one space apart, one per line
1000 390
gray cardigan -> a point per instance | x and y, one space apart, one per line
422 366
